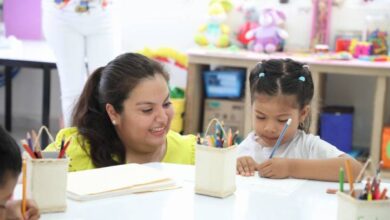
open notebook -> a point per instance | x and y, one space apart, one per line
117 180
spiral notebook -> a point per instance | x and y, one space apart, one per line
117 180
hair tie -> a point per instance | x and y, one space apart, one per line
261 75
305 66
302 78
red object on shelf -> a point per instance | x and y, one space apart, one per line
386 147
342 45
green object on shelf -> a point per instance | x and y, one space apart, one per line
176 93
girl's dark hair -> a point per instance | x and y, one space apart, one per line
286 77
110 84
10 157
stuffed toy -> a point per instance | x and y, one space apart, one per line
215 32
251 22
269 36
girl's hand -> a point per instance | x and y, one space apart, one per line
246 166
275 168
14 210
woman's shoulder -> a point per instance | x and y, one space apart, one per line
66 134
179 138
77 151
180 148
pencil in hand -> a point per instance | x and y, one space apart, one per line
277 144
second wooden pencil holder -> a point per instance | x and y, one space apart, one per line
46 183
349 208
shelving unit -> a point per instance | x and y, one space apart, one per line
200 59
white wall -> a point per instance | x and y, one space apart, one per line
173 23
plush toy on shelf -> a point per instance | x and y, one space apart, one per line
251 22
269 36
215 32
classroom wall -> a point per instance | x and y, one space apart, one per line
173 23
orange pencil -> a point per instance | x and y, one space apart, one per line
24 192
230 138
383 194
350 177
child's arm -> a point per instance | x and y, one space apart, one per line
316 169
13 210
246 166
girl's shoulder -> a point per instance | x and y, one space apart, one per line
314 147
302 136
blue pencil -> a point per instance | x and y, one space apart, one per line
277 144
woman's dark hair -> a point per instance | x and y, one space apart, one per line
10 157
110 84
286 77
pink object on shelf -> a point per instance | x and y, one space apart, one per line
22 19
321 22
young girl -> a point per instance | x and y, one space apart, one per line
123 116
282 90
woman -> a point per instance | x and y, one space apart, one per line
123 116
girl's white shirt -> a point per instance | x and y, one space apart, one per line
301 146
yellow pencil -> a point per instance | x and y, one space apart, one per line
24 192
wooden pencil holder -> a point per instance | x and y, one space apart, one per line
47 179
349 208
215 170
46 183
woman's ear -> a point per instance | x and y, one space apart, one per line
304 113
114 116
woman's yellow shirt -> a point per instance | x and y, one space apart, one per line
180 149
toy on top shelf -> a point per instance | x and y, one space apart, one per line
174 61
321 22
377 32
215 32
379 42
269 36
251 22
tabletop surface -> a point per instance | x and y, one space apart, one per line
255 198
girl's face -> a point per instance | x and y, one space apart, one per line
270 114
146 117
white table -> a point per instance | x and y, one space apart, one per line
307 200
